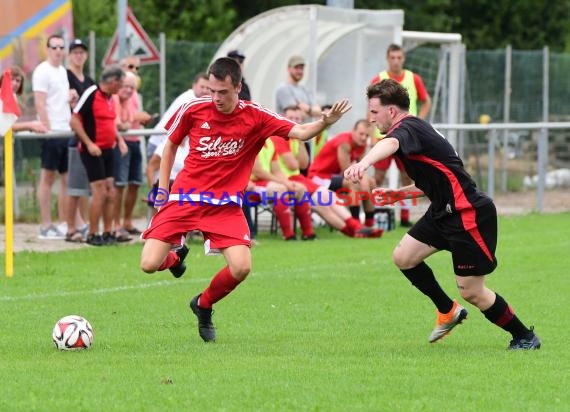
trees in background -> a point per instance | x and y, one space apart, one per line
484 24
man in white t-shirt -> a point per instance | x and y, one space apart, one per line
199 89
52 97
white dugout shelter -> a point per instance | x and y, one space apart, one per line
344 49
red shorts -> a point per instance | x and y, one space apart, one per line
385 163
311 186
222 226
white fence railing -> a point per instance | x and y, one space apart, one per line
450 130
493 138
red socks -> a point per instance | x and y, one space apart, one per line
352 226
220 286
283 215
303 214
170 260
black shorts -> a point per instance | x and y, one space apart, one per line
98 167
54 154
470 236
336 182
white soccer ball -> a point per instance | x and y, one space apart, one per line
72 332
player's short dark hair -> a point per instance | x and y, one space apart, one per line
226 66
389 92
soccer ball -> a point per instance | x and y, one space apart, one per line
72 332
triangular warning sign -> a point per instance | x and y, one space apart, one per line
137 43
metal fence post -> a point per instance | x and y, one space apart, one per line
491 164
506 116
542 149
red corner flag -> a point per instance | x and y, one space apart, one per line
9 110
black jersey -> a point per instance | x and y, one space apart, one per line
435 167
80 87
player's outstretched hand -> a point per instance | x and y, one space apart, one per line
355 172
336 112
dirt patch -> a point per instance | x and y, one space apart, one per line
26 238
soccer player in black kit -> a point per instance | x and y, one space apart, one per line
460 219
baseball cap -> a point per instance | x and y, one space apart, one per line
296 61
236 54
77 43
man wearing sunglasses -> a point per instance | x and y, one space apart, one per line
52 97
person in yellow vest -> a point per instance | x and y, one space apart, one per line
270 188
417 91
323 136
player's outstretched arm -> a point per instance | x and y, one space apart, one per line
308 130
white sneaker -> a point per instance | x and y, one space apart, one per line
62 227
50 233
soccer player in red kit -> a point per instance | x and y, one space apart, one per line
460 219
225 136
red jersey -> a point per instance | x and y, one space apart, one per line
281 146
97 112
326 163
223 146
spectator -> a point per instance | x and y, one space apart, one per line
52 97
239 57
292 93
414 84
18 86
128 168
93 122
78 185
153 166
199 89
130 64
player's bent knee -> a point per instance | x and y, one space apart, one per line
403 260
470 295
240 272
148 266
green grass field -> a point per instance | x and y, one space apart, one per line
329 325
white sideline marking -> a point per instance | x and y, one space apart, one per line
98 291
284 272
